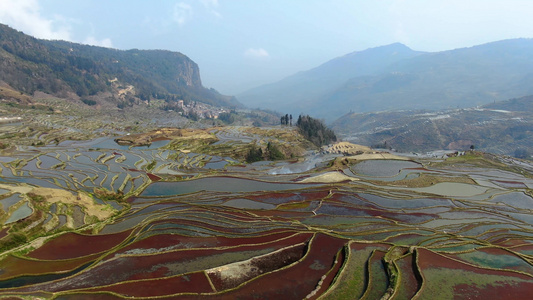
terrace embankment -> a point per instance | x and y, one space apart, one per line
144 139
230 141
216 227
50 195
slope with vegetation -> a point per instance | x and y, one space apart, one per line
315 131
69 70
502 127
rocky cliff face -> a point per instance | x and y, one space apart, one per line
189 73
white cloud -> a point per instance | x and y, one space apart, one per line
256 53
91 40
211 6
182 13
209 3
25 15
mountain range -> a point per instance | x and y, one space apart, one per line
67 70
395 77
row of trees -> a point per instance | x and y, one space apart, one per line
286 120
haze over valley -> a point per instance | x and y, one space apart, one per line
394 77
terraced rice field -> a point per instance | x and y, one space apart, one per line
167 224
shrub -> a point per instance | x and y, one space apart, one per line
254 154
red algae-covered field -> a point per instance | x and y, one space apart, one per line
306 274
348 244
174 229
193 283
72 245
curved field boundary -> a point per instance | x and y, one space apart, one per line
72 245
446 277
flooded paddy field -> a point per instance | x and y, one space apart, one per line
93 219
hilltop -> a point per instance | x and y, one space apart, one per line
101 75
301 91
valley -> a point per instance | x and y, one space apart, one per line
179 213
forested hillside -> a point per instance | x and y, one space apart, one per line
315 131
28 64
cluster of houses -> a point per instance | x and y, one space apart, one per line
202 110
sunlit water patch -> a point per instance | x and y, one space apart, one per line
516 199
383 168
407 203
248 204
9 201
219 184
452 189
22 212
310 162
216 164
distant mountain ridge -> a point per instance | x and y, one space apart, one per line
396 77
299 90
59 68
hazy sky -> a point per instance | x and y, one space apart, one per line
239 44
